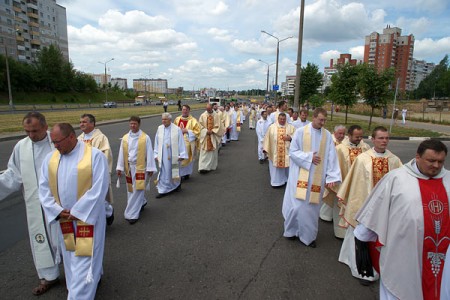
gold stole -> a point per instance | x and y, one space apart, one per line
281 148
238 121
302 182
84 243
380 167
140 163
209 127
180 124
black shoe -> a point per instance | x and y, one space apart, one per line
178 188
186 177
223 144
202 171
143 206
261 161
291 238
160 195
132 221
110 219
365 282
313 244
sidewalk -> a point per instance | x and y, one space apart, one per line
442 129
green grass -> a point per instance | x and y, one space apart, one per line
396 130
13 122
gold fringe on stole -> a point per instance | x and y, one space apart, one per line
84 242
238 122
281 148
353 153
209 127
302 182
140 163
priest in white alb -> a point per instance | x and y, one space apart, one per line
313 165
236 122
94 137
72 189
211 132
261 128
347 151
137 162
191 132
406 221
23 173
169 151
367 169
276 143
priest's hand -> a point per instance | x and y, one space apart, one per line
287 138
331 184
65 214
72 218
316 159
119 173
184 130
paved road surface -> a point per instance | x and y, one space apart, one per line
219 238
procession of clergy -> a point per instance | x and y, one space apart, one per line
63 176
391 217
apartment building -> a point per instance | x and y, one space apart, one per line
27 26
391 49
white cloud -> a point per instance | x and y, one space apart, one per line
327 55
431 48
251 47
220 9
220 34
132 21
417 27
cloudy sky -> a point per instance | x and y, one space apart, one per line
218 43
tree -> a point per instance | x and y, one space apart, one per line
343 87
54 72
316 100
437 84
310 81
374 86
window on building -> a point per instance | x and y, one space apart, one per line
7 2
9 21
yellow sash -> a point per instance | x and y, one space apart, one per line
238 121
302 182
84 242
140 163
209 126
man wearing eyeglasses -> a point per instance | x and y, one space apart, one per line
23 172
72 189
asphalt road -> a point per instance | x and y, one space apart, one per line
219 238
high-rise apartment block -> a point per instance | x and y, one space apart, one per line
391 49
420 70
27 26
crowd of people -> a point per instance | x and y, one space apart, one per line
393 219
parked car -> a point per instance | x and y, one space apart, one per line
171 102
110 105
137 103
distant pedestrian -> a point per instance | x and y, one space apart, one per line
179 105
395 116
404 110
165 105
384 112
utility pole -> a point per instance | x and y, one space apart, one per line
106 78
299 56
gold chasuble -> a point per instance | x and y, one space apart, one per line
189 123
367 169
209 127
302 182
83 241
140 163
276 147
238 121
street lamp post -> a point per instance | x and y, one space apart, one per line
278 56
267 81
11 105
106 78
